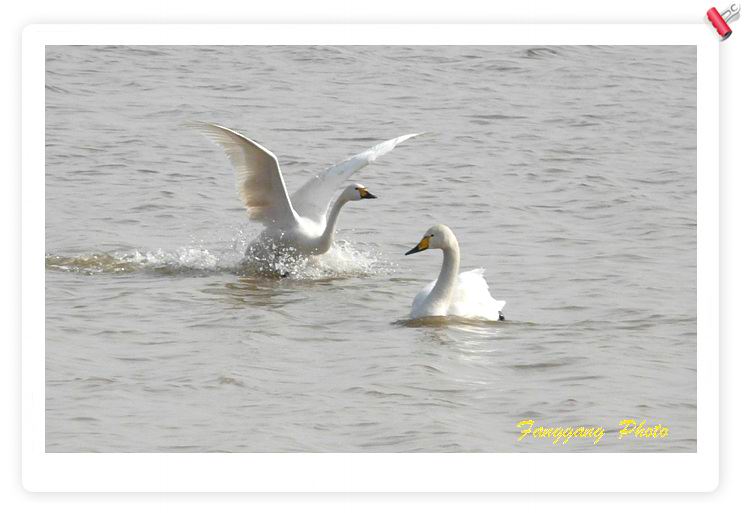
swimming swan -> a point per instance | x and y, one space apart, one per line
462 295
303 222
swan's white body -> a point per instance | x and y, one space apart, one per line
304 222
462 295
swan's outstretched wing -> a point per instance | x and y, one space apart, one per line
258 180
313 198
472 297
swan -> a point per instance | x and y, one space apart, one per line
304 222
461 295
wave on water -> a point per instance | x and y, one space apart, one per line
182 260
343 260
447 320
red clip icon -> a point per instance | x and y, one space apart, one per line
720 20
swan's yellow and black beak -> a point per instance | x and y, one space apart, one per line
422 246
365 194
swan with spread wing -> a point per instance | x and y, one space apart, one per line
305 221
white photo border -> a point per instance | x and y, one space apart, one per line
362 472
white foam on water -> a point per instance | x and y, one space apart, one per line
187 258
344 259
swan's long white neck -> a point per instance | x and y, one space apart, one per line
447 278
329 230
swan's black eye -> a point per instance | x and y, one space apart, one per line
431 235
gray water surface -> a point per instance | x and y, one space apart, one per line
568 173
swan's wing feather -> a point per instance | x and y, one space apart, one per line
472 297
258 179
312 199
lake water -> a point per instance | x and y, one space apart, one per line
568 173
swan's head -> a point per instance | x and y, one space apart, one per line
357 192
439 236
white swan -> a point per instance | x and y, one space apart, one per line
462 295
303 222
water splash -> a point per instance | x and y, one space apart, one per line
88 264
182 260
343 260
